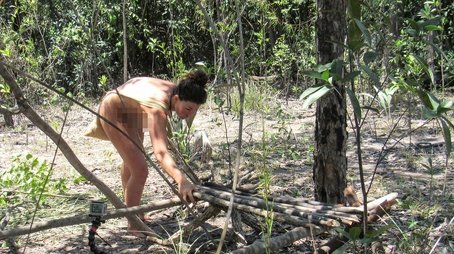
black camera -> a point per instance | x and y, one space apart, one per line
98 208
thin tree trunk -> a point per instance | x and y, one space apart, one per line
241 90
330 161
9 122
125 44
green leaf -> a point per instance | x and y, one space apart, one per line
378 232
384 100
371 75
341 249
355 103
354 233
323 67
337 68
325 75
314 96
351 76
412 32
364 31
354 9
432 28
354 37
5 52
313 74
309 91
429 100
430 23
369 56
425 67
445 106
218 101
445 123
429 114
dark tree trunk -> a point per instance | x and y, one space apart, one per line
9 122
330 161
7 115
8 119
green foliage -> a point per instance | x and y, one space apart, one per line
265 181
259 97
27 179
181 136
357 238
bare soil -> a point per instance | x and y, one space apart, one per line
288 142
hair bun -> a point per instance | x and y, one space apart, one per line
199 77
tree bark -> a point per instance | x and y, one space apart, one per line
9 122
330 161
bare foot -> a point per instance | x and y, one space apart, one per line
144 217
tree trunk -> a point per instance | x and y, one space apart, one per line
9 122
125 42
330 161
8 119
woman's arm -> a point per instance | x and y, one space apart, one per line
157 121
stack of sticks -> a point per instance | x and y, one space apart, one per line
294 211
297 212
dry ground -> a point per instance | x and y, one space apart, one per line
288 155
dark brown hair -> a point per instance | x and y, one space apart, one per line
192 87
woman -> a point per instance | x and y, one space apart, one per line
146 103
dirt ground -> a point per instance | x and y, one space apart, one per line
400 171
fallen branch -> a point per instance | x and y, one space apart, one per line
80 219
371 206
316 204
278 242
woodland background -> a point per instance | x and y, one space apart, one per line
395 73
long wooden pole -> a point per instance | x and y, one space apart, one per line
80 219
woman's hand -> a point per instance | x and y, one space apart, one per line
186 188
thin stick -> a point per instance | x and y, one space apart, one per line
278 242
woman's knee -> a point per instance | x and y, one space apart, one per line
139 173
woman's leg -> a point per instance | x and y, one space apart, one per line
127 181
134 169
125 174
